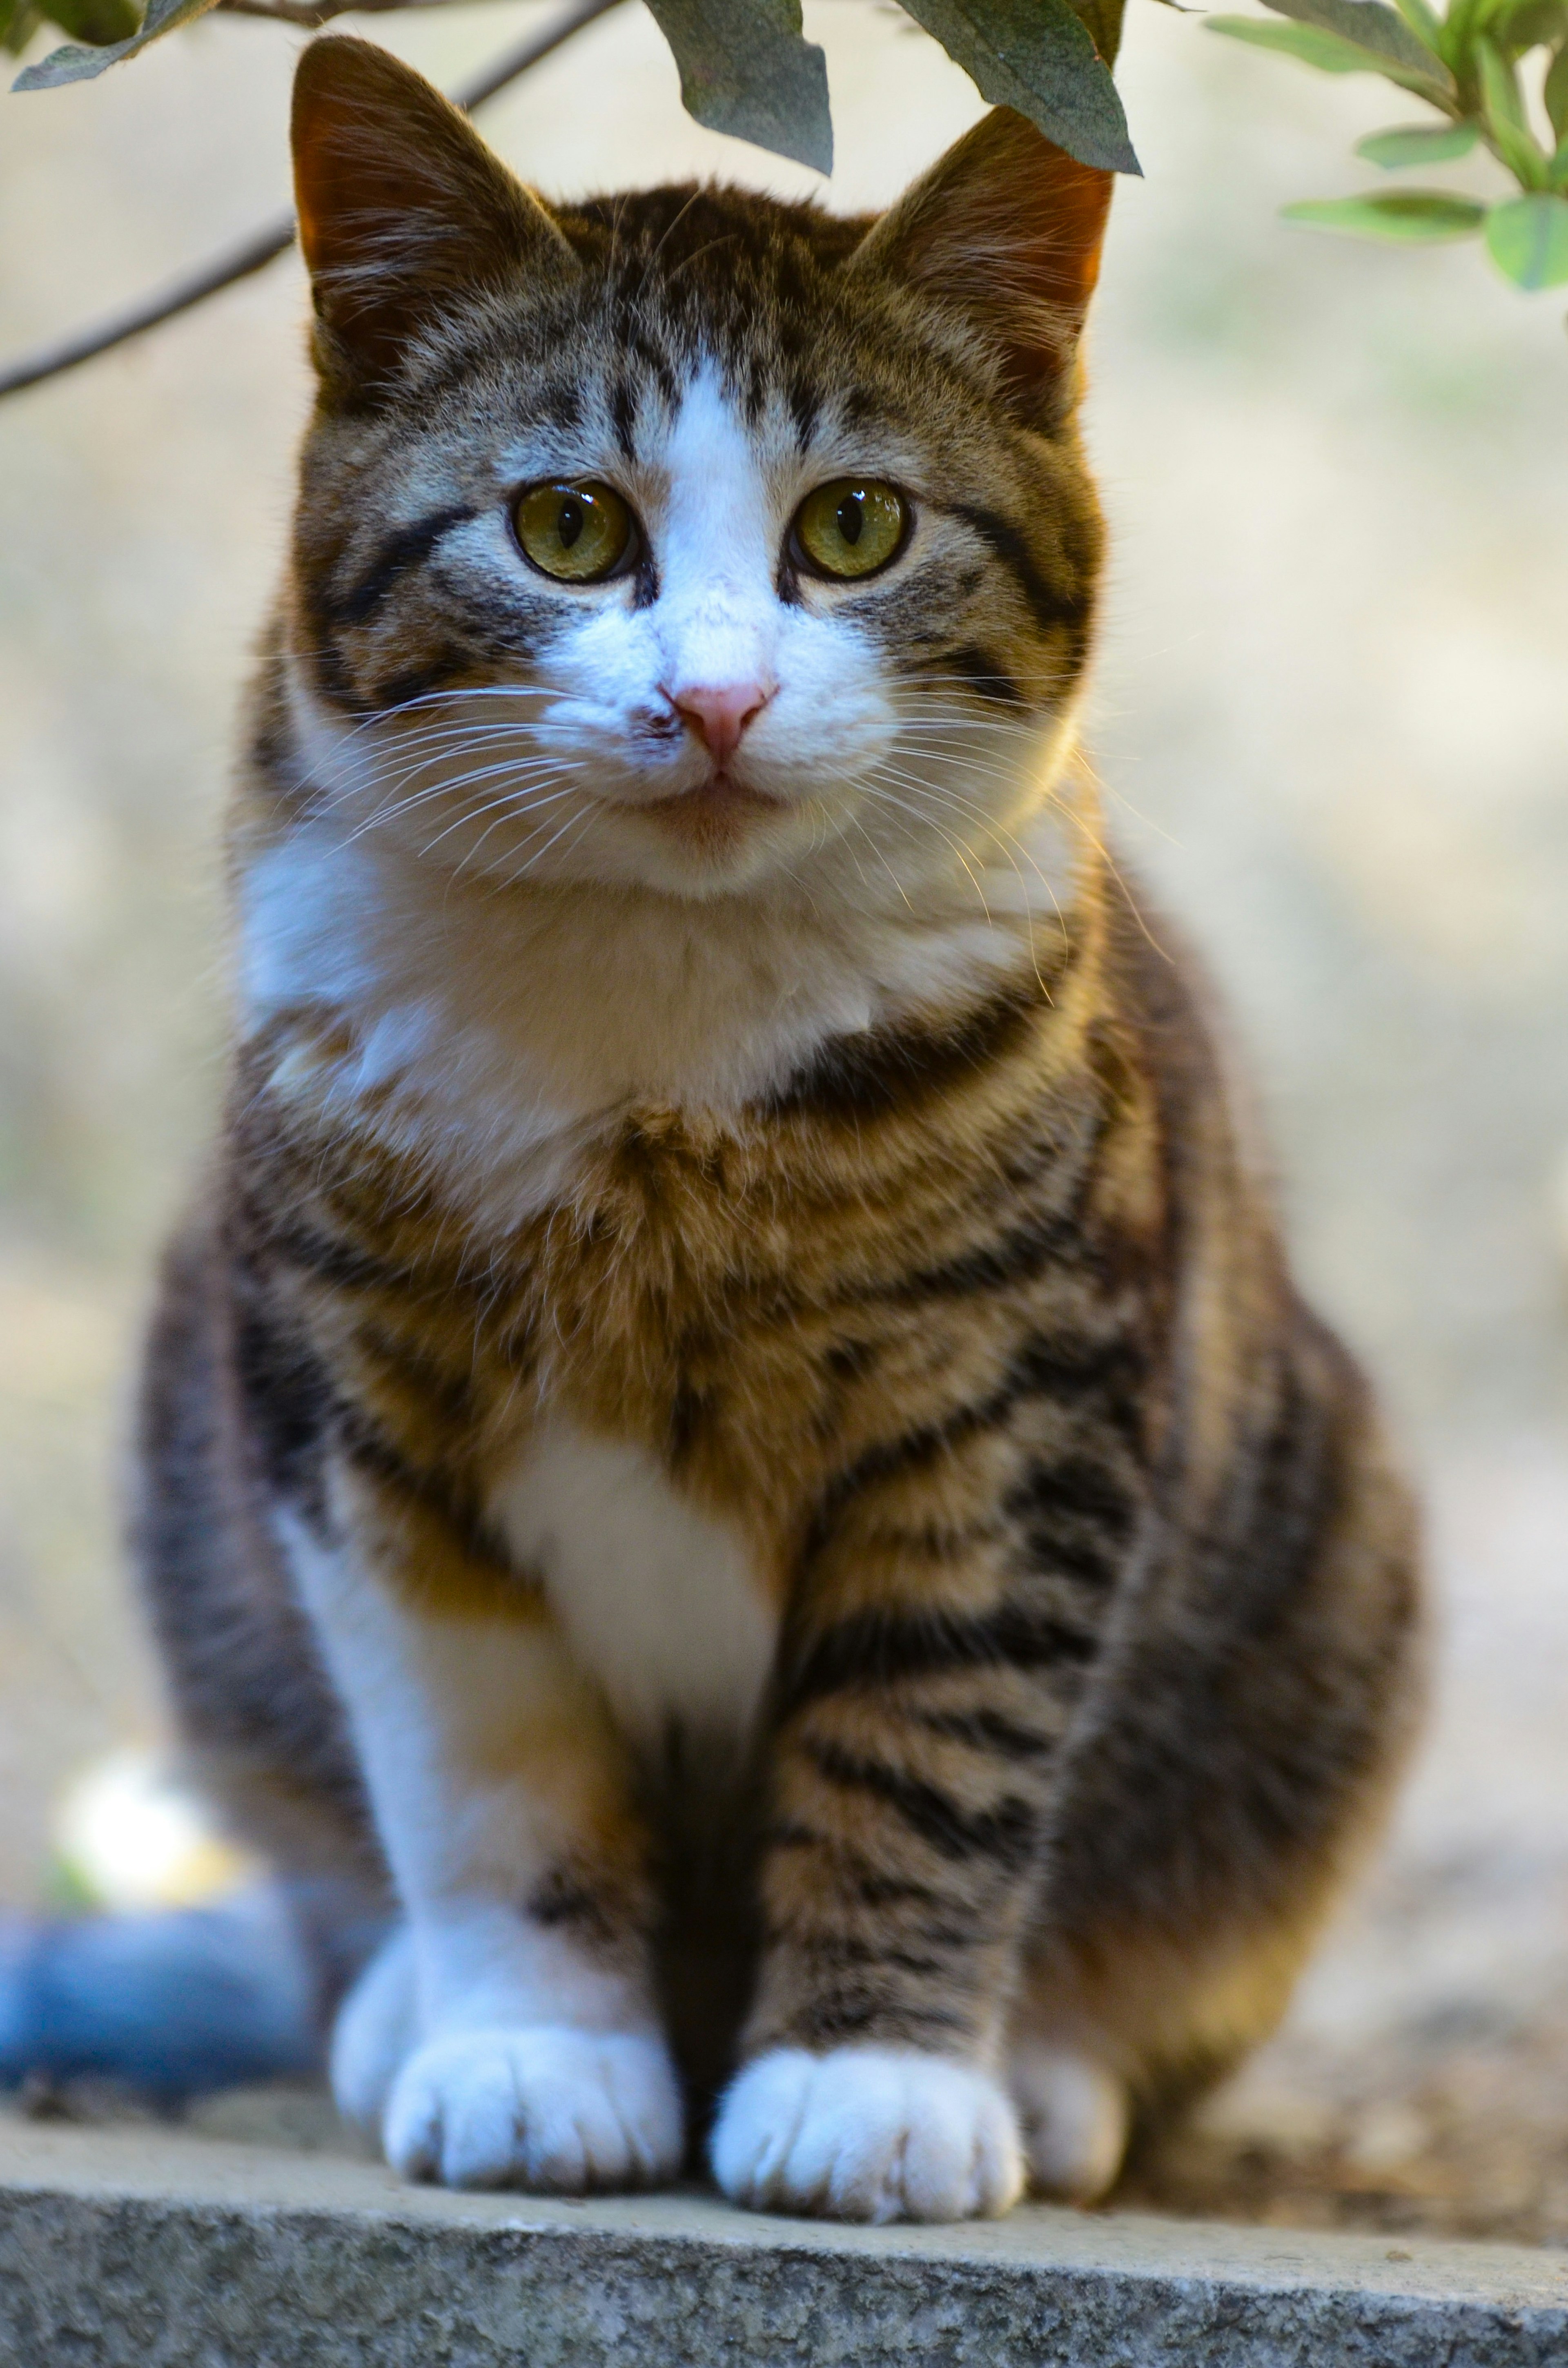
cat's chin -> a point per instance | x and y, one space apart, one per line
720 812
705 841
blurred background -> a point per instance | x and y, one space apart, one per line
1331 717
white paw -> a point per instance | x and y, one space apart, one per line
376 2026
868 2134
1075 2116
550 2109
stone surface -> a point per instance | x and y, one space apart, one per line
138 2249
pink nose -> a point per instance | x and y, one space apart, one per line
720 714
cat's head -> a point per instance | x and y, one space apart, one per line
685 540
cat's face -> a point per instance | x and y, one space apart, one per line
685 540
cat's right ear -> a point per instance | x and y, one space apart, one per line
402 208
1005 232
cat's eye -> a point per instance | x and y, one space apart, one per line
852 526
579 534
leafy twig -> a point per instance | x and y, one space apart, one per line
1466 66
310 15
260 248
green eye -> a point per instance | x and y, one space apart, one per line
578 533
852 526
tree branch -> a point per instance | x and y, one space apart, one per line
311 14
260 248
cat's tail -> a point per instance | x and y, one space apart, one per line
164 2005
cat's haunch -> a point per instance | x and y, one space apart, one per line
735 1486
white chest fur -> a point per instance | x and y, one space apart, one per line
659 1600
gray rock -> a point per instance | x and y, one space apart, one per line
138 2249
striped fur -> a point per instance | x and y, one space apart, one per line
731 1446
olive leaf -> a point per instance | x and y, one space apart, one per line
1556 93
1332 54
99 21
1425 23
78 64
1527 240
1504 102
1418 144
1528 25
1103 19
1367 23
1039 57
747 69
1409 216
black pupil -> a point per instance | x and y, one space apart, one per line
573 516
851 514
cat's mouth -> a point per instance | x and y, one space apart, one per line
719 807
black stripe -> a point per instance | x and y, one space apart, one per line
1019 1256
838 2021
1081 1486
892 1890
561 1903
337 1262
1093 1562
842 1950
418 682
857 1078
1007 1833
362 1438
805 407
986 1731
983 675
622 417
1007 544
334 681
289 1403
1067 1370
407 549
873 1648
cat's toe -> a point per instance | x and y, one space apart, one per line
375 2029
868 2134
555 2111
1075 2116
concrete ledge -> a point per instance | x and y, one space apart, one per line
124 2250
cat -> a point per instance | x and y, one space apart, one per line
734 1484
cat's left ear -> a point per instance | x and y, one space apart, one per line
1005 231
403 208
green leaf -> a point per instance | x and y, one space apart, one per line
1530 25
1422 144
100 21
745 69
1328 53
1367 23
1557 93
1409 216
1037 56
79 65
1425 23
1527 240
1102 20
1504 102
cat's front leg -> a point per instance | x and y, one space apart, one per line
900 1868
507 2036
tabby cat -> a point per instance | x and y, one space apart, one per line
734 1482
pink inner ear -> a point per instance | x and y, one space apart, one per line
1007 229
1023 238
